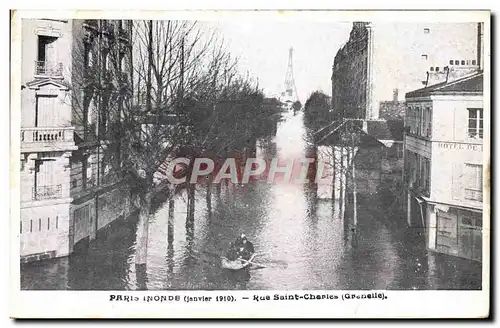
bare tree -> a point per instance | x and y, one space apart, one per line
179 93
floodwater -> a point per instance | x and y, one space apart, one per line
302 244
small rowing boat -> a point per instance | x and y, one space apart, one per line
237 264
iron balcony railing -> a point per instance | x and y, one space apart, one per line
47 192
43 68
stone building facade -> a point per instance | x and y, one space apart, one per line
443 171
66 153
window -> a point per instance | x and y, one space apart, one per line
463 62
57 222
473 62
31 225
474 220
451 62
427 123
48 223
457 62
425 169
424 56
432 69
426 30
39 224
46 48
474 182
399 150
418 117
467 221
21 226
437 69
475 124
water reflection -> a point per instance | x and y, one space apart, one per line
303 242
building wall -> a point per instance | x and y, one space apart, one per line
112 202
31 29
44 230
57 199
452 212
98 197
452 149
349 75
455 231
46 139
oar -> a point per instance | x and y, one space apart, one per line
278 262
257 264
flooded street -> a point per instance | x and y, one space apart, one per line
301 244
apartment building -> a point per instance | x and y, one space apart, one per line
72 70
443 164
101 79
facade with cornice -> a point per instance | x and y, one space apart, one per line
65 120
444 169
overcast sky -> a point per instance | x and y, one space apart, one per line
262 46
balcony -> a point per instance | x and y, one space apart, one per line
474 194
47 69
47 192
47 139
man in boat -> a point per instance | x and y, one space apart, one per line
232 254
245 247
235 248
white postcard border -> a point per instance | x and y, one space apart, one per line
97 304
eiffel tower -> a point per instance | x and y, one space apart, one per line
289 96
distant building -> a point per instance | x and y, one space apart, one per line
443 164
65 120
392 109
378 156
380 61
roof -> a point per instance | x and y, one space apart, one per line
386 129
471 84
377 130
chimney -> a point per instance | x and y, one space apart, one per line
395 94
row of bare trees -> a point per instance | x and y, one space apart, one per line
336 141
184 96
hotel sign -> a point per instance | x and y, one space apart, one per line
460 146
